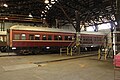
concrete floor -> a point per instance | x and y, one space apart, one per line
55 67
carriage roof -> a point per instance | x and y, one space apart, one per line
35 28
46 29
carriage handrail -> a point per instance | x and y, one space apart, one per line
71 44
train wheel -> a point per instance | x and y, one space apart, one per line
3 49
36 52
22 52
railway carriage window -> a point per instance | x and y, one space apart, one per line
99 39
37 37
69 37
5 39
80 38
90 39
118 38
31 37
55 37
44 37
17 36
59 37
95 39
49 37
1 38
23 37
73 38
66 37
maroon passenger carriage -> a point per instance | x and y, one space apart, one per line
28 39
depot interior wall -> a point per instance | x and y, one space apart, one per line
6 25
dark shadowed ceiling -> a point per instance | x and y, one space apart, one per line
20 9
91 11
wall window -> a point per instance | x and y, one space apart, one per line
37 37
49 37
44 37
23 36
17 36
31 37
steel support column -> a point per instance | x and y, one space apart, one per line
118 13
2 26
117 33
113 39
96 27
77 31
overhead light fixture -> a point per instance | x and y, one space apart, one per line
41 15
113 17
5 5
46 1
45 15
52 2
44 18
100 16
116 23
49 5
45 10
30 15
